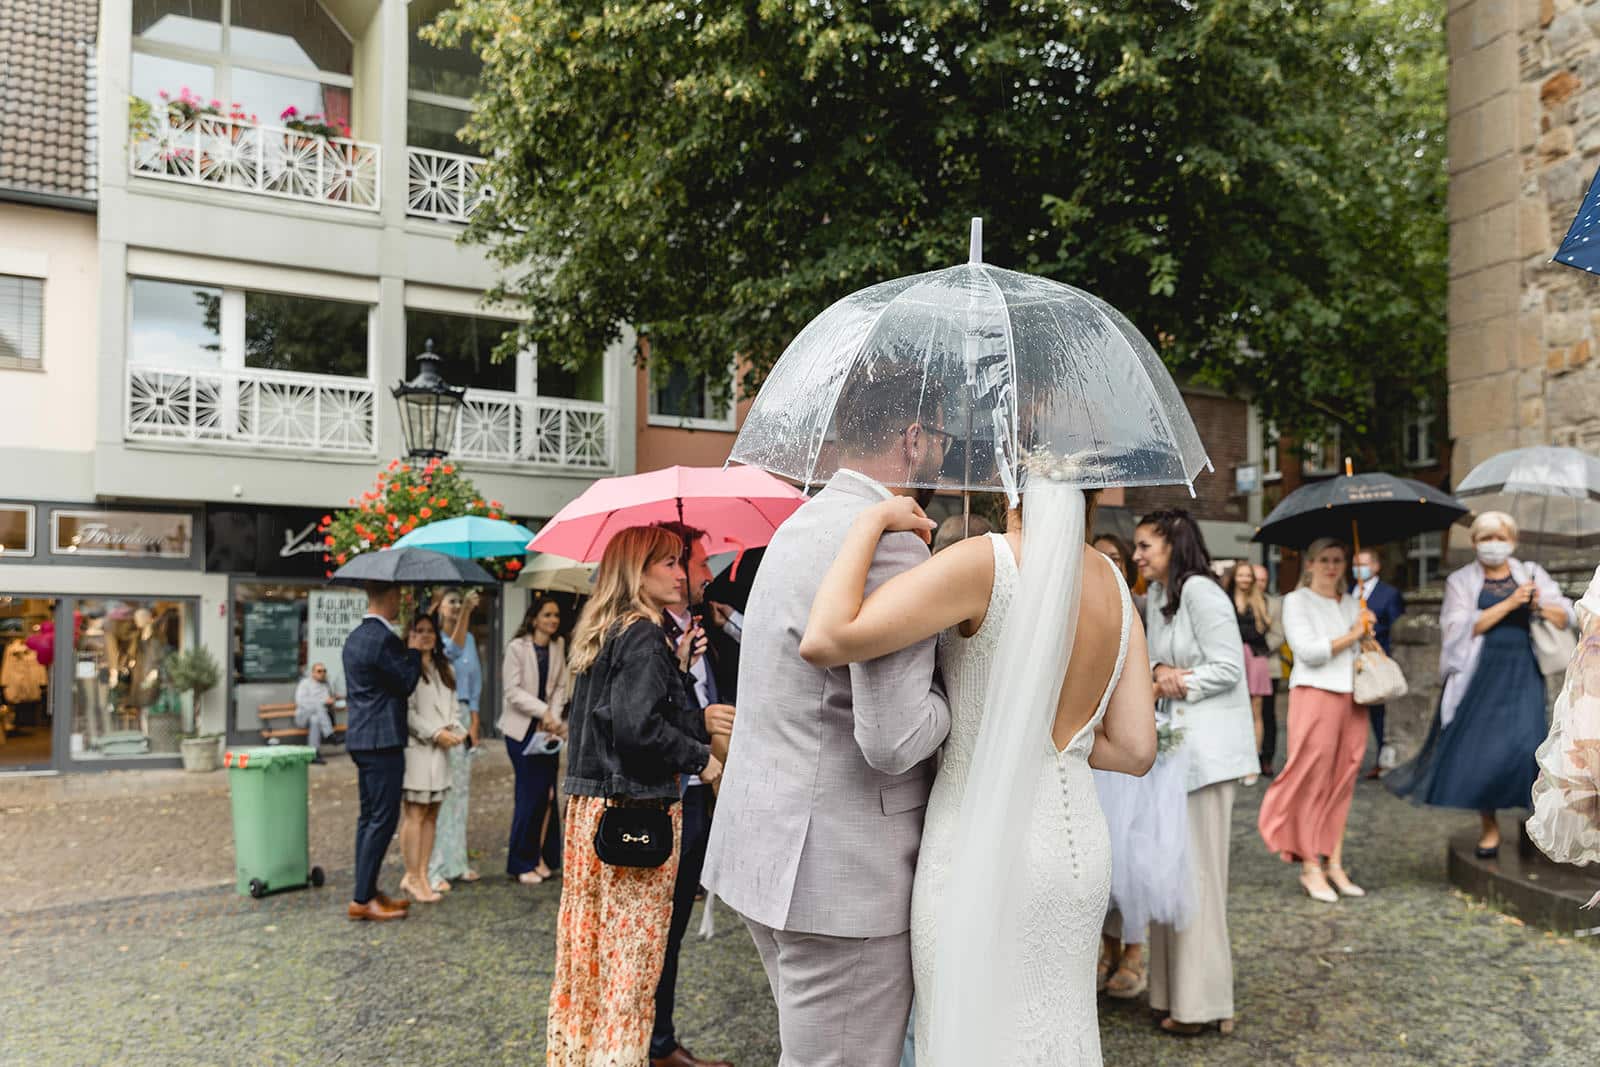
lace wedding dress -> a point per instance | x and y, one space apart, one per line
1066 858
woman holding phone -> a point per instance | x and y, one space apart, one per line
431 719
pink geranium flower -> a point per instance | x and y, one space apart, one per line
289 112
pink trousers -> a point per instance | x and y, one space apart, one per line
1304 811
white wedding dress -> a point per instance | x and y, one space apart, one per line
1066 859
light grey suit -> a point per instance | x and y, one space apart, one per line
820 815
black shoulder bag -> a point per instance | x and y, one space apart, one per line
634 835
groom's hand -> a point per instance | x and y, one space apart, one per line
719 719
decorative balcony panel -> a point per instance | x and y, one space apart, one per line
506 428
266 409
224 153
443 185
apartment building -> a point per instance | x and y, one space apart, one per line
227 229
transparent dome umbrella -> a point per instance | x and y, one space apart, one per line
1553 493
1008 366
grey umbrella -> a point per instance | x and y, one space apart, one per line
1553 493
411 566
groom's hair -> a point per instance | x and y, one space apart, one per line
880 402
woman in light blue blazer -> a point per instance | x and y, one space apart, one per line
1197 663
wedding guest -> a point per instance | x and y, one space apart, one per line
712 682
431 720
313 707
1276 650
1479 753
1255 622
379 673
1117 551
453 609
1303 814
1198 667
632 733
958 528
1386 605
533 719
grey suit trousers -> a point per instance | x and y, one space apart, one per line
842 1001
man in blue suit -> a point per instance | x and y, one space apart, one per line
379 674
1385 602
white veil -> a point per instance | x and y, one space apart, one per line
978 970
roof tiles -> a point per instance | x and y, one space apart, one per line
47 103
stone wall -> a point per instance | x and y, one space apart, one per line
1524 136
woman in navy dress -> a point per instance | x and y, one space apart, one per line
1479 753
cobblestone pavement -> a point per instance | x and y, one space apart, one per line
1413 974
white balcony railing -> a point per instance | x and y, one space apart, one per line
268 409
248 157
443 185
513 429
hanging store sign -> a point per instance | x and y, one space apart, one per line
121 534
265 541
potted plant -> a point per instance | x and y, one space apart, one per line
195 671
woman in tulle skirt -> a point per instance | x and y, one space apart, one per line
1148 822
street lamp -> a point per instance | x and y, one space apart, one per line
429 407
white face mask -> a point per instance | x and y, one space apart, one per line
1493 553
1362 572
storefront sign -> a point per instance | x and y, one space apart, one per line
16 530
121 534
330 616
271 641
267 542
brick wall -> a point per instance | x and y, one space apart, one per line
1223 423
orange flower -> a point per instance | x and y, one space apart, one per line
514 565
494 514
327 520
448 470
426 513
395 465
496 505
444 502
328 540
340 557
405 468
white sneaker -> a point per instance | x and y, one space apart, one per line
1388 759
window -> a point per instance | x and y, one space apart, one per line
1420 450
124 704
1270 471
263 55
680 399
1422 559
465 345
16 530
182 326
1321 456
21 321
440 83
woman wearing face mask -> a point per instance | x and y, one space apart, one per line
1480 750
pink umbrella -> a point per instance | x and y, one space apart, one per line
739 507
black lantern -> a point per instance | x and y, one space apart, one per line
429 407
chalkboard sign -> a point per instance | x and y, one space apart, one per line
271 641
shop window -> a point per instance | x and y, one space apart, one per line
123 703
182 326
466 345
16 530
27 650
21 321
681 399
263 55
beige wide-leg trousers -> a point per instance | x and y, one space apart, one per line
1191 971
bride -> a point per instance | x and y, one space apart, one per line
1015 863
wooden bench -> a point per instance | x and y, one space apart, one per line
273 714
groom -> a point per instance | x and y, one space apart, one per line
820 815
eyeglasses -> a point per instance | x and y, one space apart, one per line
944 436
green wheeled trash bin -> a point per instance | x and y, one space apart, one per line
270 846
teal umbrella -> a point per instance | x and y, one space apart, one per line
470 537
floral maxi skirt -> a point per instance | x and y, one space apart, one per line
611 942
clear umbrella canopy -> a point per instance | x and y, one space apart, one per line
1552 493
1005 370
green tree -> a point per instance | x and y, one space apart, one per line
1258 184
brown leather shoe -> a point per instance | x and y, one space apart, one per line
391 903
682 1057
374 911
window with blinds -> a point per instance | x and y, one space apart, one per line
21 320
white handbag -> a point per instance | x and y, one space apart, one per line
1379 679
1553 645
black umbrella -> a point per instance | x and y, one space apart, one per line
1379 508
734 577
411 566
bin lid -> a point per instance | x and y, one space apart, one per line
266 758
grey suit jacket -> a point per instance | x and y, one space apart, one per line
820 814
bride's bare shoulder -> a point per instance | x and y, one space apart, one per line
1102 593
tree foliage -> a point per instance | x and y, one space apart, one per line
1257 184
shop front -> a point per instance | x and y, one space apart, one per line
93 603
284 618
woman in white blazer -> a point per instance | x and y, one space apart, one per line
533 715
1197 661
